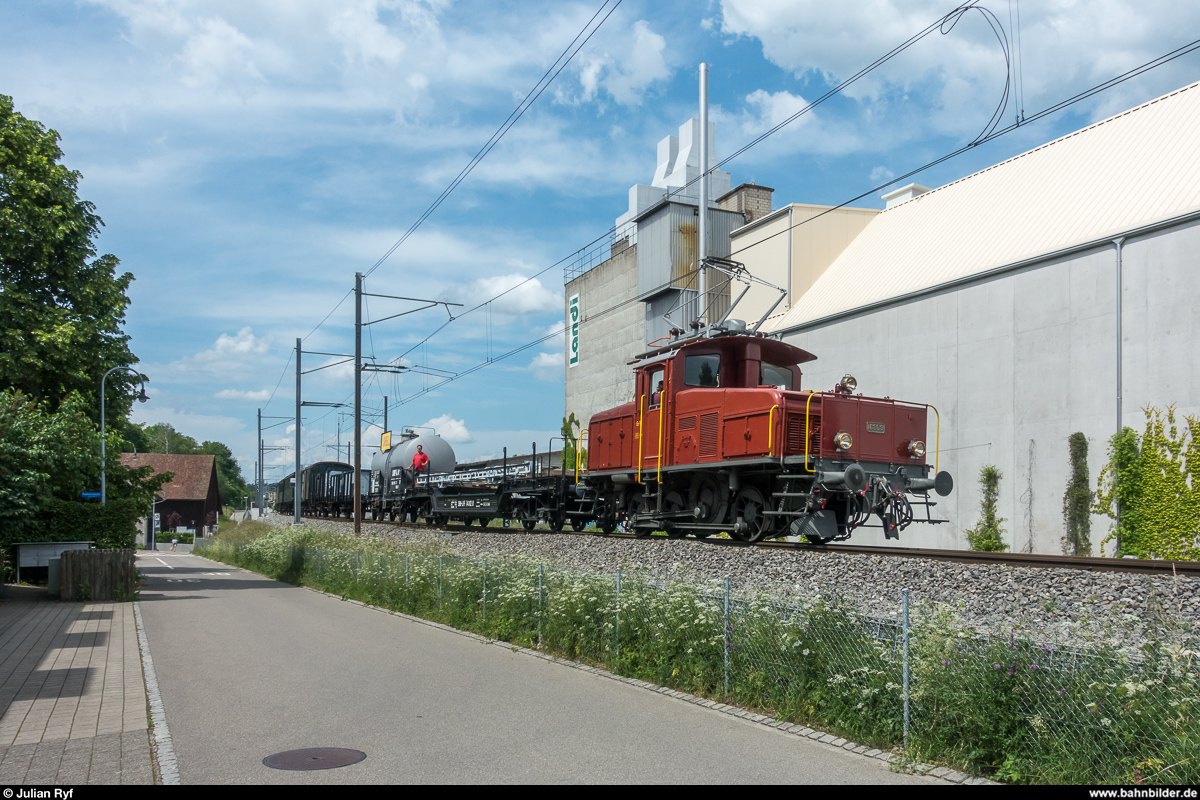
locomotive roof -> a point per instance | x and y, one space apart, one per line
773 350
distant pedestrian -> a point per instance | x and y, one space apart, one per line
174 542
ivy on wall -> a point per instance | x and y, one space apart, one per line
988 535
1151 489
1078 500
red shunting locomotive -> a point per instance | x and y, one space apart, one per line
720 437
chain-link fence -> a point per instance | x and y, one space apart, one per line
911 677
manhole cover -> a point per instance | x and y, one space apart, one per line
315 758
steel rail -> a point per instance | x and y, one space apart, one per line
1031 560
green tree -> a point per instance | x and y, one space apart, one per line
229 475
988 535
1077 501
48 457
62 306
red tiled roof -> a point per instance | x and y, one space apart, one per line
193 474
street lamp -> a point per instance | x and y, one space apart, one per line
141 399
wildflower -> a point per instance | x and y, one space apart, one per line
1033 666
995 666
945 662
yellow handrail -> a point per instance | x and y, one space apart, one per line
807 405
937 447
771 428
579 451
662 408
641 415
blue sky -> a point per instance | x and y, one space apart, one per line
249 157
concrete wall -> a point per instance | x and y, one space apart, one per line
607 339
1017 363
791 249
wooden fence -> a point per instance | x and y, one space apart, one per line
99 575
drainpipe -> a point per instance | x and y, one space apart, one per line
1120 246
1120 243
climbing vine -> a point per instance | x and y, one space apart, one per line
1078 500
1151 489
988 535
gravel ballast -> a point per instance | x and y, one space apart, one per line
1057 604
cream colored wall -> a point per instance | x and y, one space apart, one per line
818 236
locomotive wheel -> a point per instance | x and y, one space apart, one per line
529 524
441 520
673 501
556 523
708 493
749 506
608 525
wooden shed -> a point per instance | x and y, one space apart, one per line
193 493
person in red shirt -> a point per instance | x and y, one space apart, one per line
420 463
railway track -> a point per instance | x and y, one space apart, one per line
1032 560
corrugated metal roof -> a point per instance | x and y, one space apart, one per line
1131 170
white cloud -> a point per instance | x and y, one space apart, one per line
625 69
881 173
547 366
949 84
238 394
240 353
521 296
450 429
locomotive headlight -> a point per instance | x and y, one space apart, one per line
916 448
843 441
848 384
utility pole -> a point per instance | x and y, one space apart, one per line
702 250
385 427
258 468
296 491
357 403
359 369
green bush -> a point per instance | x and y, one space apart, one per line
988 535
1077 501
1151 489
113 525
165 537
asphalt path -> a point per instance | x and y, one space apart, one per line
249 667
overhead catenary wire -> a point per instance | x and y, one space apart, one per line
990 134
543 83
1070 101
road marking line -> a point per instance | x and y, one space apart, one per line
165 564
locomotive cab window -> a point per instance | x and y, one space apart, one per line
655 387
771 375
702 370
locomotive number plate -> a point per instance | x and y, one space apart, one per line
875 427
